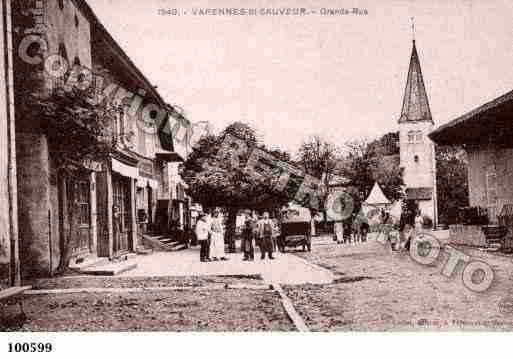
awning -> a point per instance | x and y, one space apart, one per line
168 156
143 182
124 170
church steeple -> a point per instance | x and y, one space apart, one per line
415 101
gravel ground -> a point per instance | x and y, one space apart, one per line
141 282
187 310
379 290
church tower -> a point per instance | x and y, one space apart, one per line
417 152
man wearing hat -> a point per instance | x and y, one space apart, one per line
203 235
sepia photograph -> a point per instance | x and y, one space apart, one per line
230 166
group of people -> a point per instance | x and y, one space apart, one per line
257 231
262 232
210 236
355 229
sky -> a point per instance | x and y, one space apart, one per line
338 76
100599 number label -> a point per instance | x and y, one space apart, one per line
30 347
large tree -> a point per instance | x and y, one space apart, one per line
213 181
452 181
319 157
375 161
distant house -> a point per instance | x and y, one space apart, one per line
486 134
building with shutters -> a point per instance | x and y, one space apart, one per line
112 202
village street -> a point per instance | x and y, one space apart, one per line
362 286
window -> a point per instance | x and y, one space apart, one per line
415 137
141 139
416 159
491 193
61 4
150 145
117 129
76 61
76 20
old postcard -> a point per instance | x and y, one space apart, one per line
255 166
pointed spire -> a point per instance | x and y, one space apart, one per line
412 19
415 101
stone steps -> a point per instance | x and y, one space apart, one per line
162 243
110 269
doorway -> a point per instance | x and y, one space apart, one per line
122 217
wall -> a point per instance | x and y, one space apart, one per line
33 203
62 29
479 159
419 174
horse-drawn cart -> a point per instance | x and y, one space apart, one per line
295 229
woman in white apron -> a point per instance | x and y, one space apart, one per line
217 245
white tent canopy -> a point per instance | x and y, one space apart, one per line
377 197
375 202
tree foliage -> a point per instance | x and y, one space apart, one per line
375 161
319 158
78 129
215 182
452 180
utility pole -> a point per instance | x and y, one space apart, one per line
7 114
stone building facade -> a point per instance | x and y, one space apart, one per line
62 29
486 135
108 199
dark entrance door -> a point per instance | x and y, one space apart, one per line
122 218
78 194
